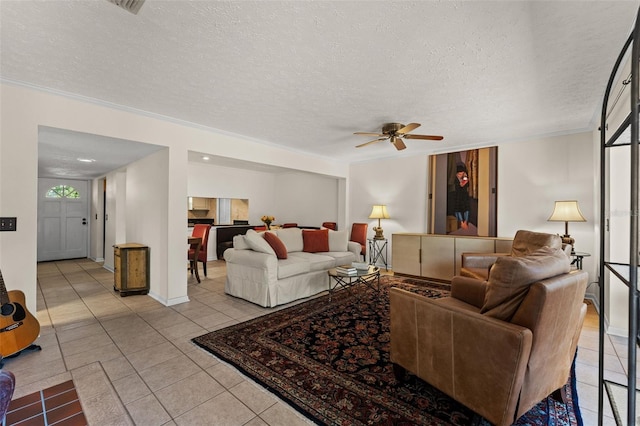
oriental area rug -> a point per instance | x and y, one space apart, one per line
330 361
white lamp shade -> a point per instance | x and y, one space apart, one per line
566 211
379 212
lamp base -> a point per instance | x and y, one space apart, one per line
379 235
568 239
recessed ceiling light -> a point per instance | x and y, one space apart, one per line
87 160
205 158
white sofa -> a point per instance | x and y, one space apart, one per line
256 274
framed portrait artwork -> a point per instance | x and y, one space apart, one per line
463 193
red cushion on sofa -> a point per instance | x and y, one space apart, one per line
315 241
276 244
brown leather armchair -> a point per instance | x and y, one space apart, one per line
498 368
477 265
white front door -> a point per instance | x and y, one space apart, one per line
63 219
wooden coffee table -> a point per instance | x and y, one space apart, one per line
369 277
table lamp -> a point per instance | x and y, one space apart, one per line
567 211
379 212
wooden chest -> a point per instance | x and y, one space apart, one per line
131 268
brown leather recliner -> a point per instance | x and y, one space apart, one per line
499 368
477 265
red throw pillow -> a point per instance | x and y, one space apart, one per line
315 241
276 244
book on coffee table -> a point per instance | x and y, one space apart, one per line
360 265
346 269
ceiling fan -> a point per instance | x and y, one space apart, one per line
395 132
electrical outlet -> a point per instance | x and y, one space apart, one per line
8 223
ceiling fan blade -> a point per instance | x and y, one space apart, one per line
409 127
370 142
397 142
368 134
427 137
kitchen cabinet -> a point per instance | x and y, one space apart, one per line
199 203
131 269
439 256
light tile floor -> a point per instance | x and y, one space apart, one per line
132 360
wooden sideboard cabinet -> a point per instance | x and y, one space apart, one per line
439 256
131 269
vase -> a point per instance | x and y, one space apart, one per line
268 225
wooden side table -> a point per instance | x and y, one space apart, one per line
131 269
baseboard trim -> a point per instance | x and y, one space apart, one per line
168 302
594 301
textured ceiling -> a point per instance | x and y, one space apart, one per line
307 74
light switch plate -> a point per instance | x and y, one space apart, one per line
8 223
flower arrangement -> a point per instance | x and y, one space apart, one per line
267 220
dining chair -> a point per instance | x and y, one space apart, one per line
359 235
290 225
201 231
330 225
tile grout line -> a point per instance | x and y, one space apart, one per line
67 403
44 408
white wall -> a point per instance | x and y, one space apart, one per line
399 183
96 223
116 208
19 164
147 183
306 199
531 176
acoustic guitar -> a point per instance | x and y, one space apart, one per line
18 328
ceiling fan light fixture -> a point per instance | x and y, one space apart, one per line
398 143
394 132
